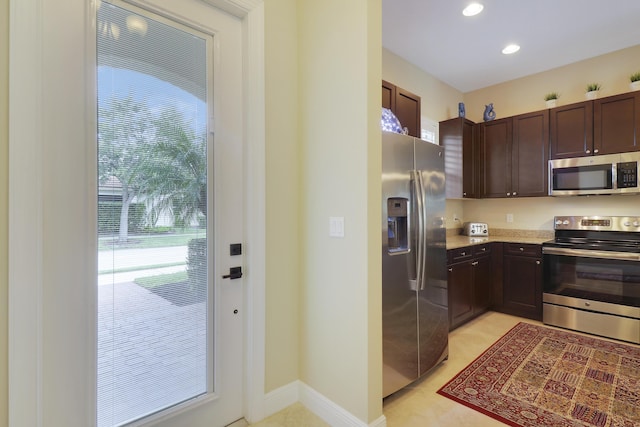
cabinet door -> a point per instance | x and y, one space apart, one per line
388 95
470 156
404 104
457 137
571 130
616 123
482 284
530 154
495 153
460 281
408 111
523 286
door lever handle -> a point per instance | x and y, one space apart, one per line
234 273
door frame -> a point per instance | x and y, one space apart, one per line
28 148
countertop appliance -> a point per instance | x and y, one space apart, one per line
592 276
607 174
475 229
415 319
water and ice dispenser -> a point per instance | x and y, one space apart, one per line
398 224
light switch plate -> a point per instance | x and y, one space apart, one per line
336 226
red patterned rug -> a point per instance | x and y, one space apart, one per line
538 376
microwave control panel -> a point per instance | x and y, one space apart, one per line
628 175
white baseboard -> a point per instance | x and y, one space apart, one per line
317 403
280 398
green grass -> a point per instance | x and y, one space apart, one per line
163 240
140 268
151 282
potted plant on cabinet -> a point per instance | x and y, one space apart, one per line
551 99
635 81
592 90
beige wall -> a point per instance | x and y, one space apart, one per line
282 328
439 101
536 213
340 142
524 95
4 210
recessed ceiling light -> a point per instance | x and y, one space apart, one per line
512 48
472 9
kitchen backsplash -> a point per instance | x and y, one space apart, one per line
535 213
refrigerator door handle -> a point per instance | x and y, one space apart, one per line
419 227
422 227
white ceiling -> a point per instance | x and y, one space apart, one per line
465 52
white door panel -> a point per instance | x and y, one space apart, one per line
153 389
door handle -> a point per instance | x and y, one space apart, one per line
234 273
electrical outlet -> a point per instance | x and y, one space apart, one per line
509 217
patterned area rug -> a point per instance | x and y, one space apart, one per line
538 376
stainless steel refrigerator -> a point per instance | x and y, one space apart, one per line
415 317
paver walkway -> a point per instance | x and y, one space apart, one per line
151 353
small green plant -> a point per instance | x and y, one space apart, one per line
635 77
593 86
551 95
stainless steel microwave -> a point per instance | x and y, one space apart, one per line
607 174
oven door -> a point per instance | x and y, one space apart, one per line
592 291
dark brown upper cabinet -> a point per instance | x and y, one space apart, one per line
404 104
571 130
603 126
514 156
460 157
495 158
616 122
530 155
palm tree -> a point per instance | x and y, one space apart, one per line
159 158
177 180
125 136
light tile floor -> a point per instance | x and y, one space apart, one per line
418 405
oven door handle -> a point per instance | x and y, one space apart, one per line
587 253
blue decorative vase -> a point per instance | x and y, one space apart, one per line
461 111
489 114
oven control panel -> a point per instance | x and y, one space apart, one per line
597 223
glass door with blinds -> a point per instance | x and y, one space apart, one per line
157 241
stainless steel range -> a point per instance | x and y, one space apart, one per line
592 276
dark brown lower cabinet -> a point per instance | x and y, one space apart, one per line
460 280
522 280
470 285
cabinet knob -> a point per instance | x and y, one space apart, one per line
483 249
588 151
521 249
464 194
515 194
474 263
463 253
596 151
537 262
508 194
450 269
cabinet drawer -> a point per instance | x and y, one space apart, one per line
480 250
524 249
459 254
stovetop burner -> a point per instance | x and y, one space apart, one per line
611 233
602 245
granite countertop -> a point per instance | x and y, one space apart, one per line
455 240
